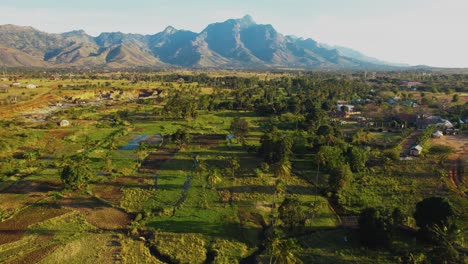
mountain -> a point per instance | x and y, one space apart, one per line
350 53
234 43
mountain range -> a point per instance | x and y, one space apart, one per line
234 43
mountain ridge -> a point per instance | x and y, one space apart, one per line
235 43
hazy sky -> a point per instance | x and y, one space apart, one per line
430 32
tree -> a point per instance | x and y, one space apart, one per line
358 158
201 169
283 250
433 211
108 164
240 128
455 98
30 155
340 178
282 168
445 248
181 137
374 228
331 156
233 165
275 147
291 213
76 174
288 250
213 178
141 152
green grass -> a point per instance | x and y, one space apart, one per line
331 247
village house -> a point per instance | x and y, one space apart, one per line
64 123
437 134
416 151
31 86
345 107
436 121
16 84
410 84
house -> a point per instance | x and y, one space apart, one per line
16 84
410 103
436 121
452 131
31 86
416 151
410 84
345 107
437 134
64 123
229 138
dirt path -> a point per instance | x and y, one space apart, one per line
457 161
409 141
39 101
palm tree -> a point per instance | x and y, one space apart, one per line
213 178
282 169
288 250
234 165
283 251
274 248
201 169
280 189
30 155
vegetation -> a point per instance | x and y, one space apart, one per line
146 173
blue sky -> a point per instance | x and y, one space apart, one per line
430 32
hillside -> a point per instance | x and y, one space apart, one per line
234 43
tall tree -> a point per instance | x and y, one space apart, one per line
76 174
433 211
291 213
340 178
240 128
374 228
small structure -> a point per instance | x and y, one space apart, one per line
416 151
452 131
16 84
230 137
437 134
345 107
437 121
64 123
31 86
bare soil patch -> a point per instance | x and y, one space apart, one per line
460 144
58 133
36 255
97 213
109 192
13 229
33 187
154 161
208 141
